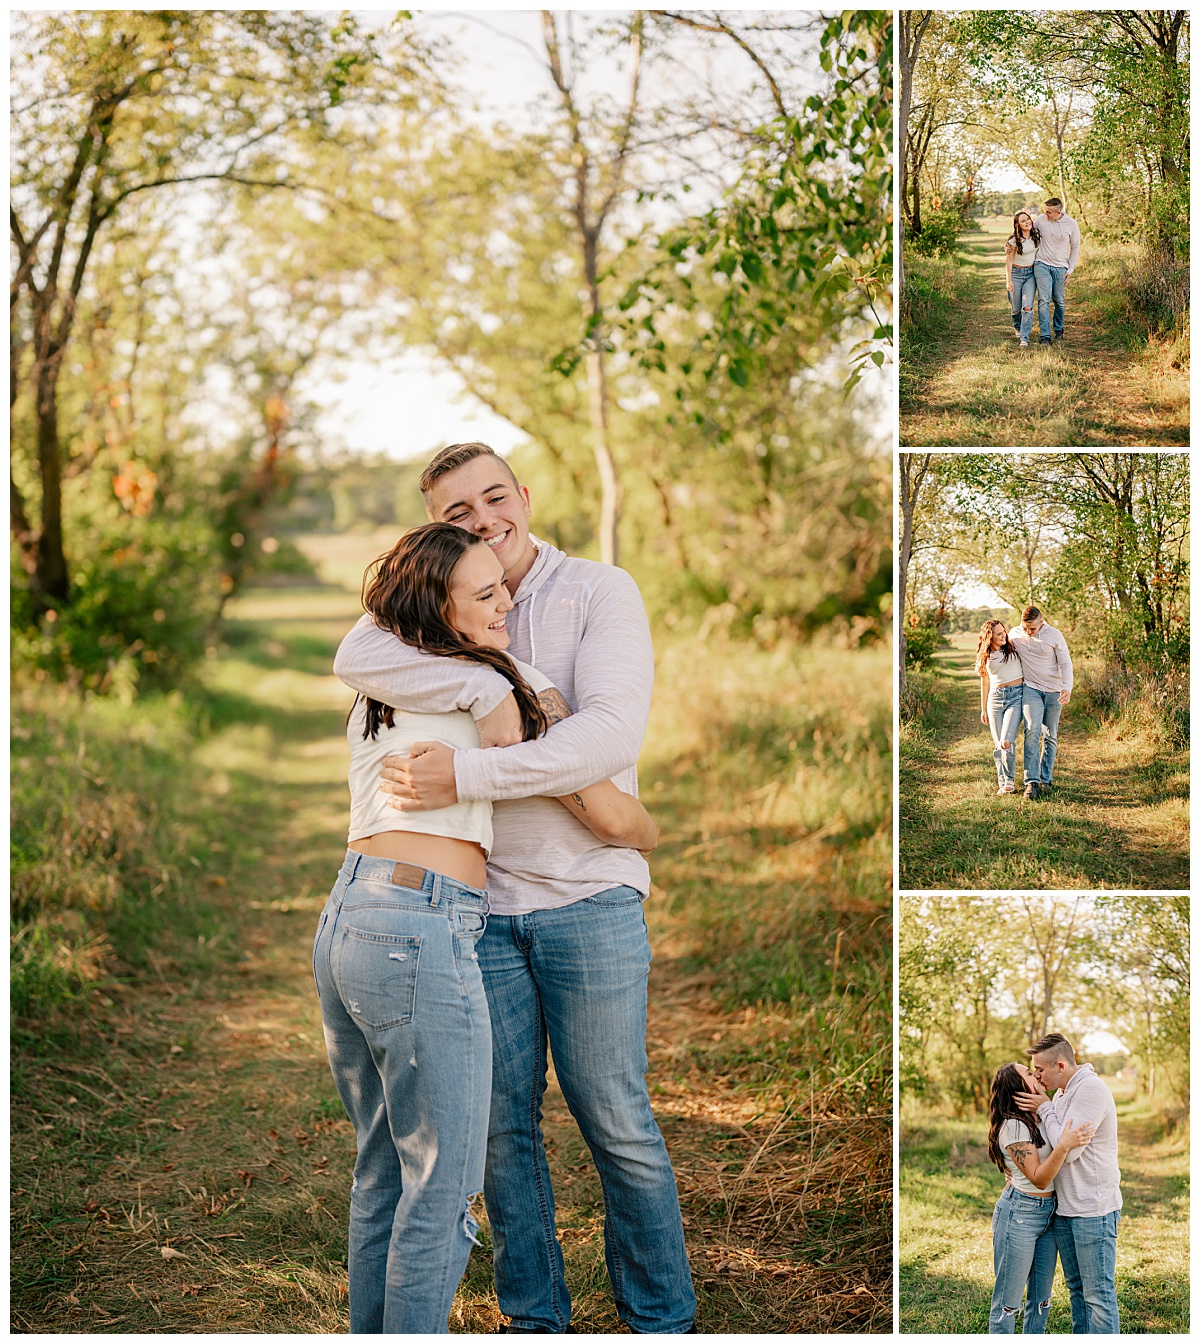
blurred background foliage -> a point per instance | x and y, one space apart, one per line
216 212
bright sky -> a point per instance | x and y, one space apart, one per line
1008 177
1102 1043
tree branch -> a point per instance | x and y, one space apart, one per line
720 26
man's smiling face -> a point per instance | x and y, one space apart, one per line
482 497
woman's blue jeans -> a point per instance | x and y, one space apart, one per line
406 1028
1004 717
575 977
1023 1256
1023 293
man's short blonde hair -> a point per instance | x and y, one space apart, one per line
455 456
1056 1046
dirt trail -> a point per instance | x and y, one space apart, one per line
187 1169
976 387
1112 820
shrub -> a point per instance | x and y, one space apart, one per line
923 638
1139 705
1155 292
939 233
141 605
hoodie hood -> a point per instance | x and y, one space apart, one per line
1078 1076
548 560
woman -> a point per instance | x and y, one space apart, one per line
998 666
1019 254
1023 1253
402 999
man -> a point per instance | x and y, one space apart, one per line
1057 257
565 956
1048 677
1088 1185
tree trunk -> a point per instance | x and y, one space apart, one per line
49 581
913 23
1060 126
610 482
912 474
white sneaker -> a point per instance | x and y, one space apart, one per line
1005 788
1024 345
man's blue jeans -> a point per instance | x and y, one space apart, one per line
576 976
1023 1256
1041 712
1022 300
406 1028
1051 287
1087 1248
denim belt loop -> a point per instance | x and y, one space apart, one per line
435 897
350 867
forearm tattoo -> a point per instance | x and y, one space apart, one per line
554 703
578 801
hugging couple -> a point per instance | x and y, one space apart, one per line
1025 676
1062 1192
489 908
1040 255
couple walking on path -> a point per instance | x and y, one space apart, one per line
1025 676
1062 1192
489 909
1040 255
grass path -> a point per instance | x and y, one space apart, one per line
970 384
1117 818
948 1189
181 1161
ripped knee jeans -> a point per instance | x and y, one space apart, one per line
410 1047
1004 718
1024 1256
1023 294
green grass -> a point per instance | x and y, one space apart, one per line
169 1075
948 1189
1118 817
964 381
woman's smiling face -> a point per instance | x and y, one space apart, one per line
999 635
1024 223
479 601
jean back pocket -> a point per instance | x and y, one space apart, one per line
376 975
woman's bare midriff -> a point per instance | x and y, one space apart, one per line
462 860
1000 685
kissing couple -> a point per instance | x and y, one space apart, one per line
1062 1191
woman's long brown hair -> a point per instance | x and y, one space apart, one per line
1035 235
408 591
1003 1106
984 647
